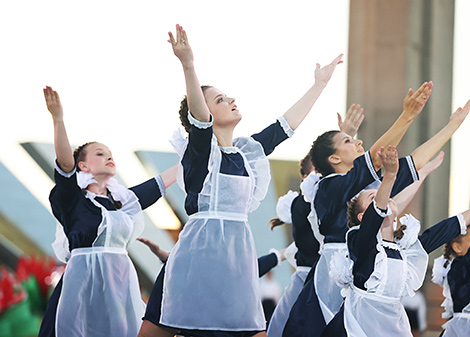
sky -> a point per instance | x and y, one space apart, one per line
121 85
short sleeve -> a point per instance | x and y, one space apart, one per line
273 135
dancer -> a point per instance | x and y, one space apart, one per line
99 292
346 171
451 272
265 263
211 280
292 208
384 264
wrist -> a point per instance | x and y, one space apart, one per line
391 176
188 66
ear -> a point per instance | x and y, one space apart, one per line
334 159
83 166
457 248
359 216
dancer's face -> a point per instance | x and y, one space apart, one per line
222 108
98 161
347 149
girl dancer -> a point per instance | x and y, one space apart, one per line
384 264
451 272
211 278
346 171
292 208
99 292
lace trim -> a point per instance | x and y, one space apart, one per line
381 212
283 206
199 124
278 255
285 126
391 245
161 185
62 173
463 224
228 149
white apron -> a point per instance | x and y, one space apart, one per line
281 312
100 293
211 276
379 311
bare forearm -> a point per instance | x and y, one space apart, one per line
62 146
297 113
383 193
392 137
196 102
169 176
425 152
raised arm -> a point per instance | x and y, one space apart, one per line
63 150
426 151
389 158
352 121
296 114
412 106
182 49
404 198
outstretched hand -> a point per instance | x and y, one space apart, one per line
352 121
53 102
460 114
160 253
415 102
324 74
389 159
181 46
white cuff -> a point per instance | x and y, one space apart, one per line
161 185
412 167
62 173
383 214
463 224
199 124
370 166
285 126
278 255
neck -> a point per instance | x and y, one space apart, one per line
99 188
224 137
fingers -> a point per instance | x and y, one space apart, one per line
340 120
172 39
338 60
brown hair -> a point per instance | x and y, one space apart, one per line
355 207
448 252
184 108
79 154
306 166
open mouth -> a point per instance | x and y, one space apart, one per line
234 108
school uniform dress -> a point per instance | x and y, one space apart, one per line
99 293
306 256
377 273
210 281
321 298
456 289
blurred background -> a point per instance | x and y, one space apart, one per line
121 85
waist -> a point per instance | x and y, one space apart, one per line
375 297
219 215
303 269
98 250
461 314
334 246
